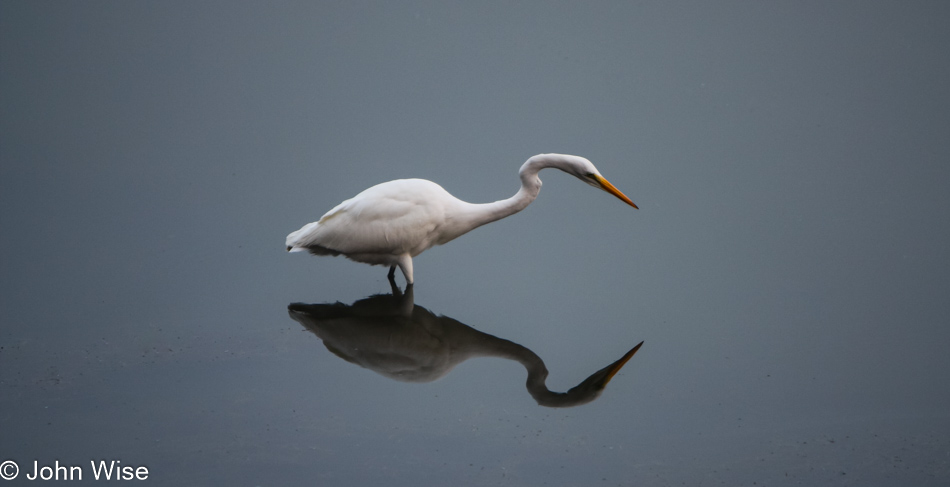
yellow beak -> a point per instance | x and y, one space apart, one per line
606 186
615 367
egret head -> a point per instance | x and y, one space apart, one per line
584 170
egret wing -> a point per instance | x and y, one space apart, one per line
391 218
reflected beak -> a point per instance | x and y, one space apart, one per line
606 186
615 367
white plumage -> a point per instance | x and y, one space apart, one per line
392 222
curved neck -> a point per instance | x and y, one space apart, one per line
492 346
537 387
480 214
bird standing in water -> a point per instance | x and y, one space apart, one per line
392 222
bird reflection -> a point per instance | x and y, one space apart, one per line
393 337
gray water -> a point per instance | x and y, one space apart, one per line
788 269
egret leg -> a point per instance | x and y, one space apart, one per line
392 282
405 265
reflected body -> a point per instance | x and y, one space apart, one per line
391 336
390 223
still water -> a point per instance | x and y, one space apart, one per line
787 272
393 337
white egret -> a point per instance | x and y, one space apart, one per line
392 222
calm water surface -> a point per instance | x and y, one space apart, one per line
787 272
